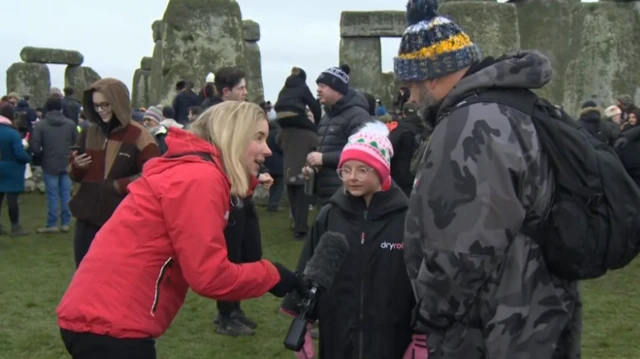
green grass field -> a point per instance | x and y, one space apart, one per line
36 270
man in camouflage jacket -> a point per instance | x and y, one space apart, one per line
482 286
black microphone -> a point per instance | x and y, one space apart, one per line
319 273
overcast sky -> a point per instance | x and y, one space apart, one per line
114 35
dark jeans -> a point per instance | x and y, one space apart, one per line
14 209
93 346
244 244
82 238
276 191
299 205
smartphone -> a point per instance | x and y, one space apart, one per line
77 149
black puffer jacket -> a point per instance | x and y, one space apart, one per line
295 96
367 311
339 122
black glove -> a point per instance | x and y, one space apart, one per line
621 143
289 282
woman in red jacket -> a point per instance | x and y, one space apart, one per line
167 236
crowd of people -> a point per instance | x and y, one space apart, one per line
436 201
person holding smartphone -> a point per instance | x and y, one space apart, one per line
109 156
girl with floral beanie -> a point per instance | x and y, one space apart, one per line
367 311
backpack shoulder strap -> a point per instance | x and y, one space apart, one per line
522 100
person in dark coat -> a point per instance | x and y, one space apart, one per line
274 164
346 110
26 115
406 139
70 106
183 101
52 139
294 99
242 234
371 100
296 139
13 161
591 120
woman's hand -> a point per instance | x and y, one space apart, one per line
265 180
81 161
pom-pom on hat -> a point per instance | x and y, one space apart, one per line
371 146
432 46
211 78
337 78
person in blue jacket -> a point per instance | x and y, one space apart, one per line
13 159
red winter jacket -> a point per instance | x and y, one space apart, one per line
166 236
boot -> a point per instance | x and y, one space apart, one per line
18 231
242 318
232 327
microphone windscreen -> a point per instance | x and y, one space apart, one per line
327 259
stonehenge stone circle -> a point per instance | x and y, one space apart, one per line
593 47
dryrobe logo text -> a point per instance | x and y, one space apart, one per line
392 246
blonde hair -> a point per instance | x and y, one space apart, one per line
230 126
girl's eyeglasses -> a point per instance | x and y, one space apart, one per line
359 172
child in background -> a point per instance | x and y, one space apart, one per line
367 311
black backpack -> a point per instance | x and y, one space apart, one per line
594 222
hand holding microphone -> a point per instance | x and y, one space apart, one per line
289 282
319 274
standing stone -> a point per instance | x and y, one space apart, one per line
492 26
140 88
389 88
254 72
79 78
372 23
605 40
157 71
543 26
364 56
158 28
29 79
199 37
251 30
145 63
43 55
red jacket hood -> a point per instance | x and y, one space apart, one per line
182 143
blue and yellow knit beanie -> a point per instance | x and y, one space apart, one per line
432 46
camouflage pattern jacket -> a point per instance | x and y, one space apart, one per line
482 287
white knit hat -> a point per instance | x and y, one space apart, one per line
612 111
210 78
